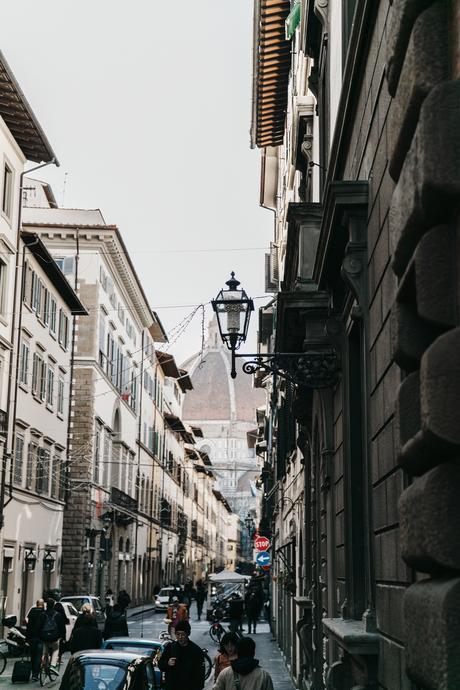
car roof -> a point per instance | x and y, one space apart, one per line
139 641
78 596
110 656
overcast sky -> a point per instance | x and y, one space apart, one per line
147 105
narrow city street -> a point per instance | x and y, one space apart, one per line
145 622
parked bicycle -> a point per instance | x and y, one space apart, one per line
164 636
217 630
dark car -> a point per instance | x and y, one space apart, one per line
138 645
109 670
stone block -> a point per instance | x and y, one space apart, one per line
437 403
440 391
405 12
428 191
429 512
436 276
432 629
426 65
407 418
410 336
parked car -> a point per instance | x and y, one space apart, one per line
109 670
163 597
71 613
138 645
78 601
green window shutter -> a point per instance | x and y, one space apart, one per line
293 20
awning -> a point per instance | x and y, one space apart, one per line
228 576
168 364
272 63
174 423
184 381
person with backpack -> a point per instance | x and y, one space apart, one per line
116 624
51 631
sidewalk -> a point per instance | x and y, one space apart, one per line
269 655
138 610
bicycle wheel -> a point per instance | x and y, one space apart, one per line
2 662
44 676
207 665
216 631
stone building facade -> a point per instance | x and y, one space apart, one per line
356 110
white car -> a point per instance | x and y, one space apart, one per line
162 598
78 601
71 613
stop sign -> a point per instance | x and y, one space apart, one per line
262 543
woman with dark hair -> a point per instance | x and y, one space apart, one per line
227 653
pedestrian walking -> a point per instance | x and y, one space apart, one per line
253 604
109 600
116 624
85 617
176 613
33 636
200 596
244 673
86 635
51 631
227 653
235 613
123 599
182 662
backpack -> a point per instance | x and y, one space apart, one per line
50 629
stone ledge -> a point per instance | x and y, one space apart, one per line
352 636
303 602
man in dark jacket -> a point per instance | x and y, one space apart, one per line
235 613
253 602
124 599
116 625
182 661
33 636
200 596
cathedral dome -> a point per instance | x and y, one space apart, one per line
215 395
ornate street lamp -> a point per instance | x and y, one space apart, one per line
30 559
233 310
316 368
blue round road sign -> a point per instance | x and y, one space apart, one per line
263 558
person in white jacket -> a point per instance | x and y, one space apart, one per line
244 673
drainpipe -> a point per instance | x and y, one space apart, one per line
9 443
72 367
139 437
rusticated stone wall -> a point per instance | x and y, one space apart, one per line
424 137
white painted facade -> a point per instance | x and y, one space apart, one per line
32 535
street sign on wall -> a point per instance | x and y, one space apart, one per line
263 558
261 543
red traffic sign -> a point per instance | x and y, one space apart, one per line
265 567
262 543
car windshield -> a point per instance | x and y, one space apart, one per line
104 677
165 592
72 610
77 601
